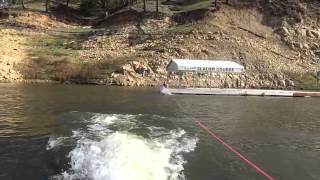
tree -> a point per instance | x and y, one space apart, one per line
157 6
22 4
68 3
47 5
144 5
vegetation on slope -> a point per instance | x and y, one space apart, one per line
111 42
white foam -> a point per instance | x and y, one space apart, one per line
54 142
123 156
108 119
104 119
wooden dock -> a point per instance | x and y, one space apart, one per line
240 92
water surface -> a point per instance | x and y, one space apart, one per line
98 132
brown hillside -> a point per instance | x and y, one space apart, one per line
266 39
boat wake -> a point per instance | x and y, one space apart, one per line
119 147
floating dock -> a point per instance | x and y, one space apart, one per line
239 92
209 67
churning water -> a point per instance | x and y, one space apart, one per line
108 149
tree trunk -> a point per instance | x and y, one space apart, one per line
68 3
22 4
157 6
47 5
144 5
105 4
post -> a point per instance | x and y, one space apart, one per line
240 81
318 78
197 80
168 75
210 79
179 76
193 79
225 80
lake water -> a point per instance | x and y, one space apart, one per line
116 133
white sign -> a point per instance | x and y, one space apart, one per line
208 69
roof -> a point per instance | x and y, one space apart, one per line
204 66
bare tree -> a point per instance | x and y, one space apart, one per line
144 5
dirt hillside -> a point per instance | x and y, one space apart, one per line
23 34
277 44
12 52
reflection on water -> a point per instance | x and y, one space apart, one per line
17 112
46 131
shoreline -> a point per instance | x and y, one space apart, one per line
92 83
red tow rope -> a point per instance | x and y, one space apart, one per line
254 166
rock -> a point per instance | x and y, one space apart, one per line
141 68
305 46
297 45
315 33
283 31
310 33
315 46
126 68
204 50
289 83
301 32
